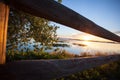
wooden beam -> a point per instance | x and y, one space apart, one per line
4 12
57 12
50 69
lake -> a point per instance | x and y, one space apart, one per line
77 46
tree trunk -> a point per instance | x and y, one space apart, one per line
4 12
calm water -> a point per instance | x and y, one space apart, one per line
77 47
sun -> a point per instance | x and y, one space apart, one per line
86 38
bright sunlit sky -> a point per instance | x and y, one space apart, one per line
105 13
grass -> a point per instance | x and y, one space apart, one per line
89 54
109 71
62 54
58 54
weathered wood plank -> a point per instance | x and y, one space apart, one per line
54 11
49 69
4 12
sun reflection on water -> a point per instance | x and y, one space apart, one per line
86 43
92 46
102 47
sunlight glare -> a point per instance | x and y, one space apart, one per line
86 38
86 43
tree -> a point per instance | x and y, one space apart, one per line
59 1
23 27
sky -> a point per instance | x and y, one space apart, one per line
105 13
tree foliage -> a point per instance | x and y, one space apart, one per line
59 1
24 27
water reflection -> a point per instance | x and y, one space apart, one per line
93 47
86 43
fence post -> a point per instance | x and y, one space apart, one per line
4 12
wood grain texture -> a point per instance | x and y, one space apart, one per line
4 12
57 12
50 69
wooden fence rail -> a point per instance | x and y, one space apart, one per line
50 69
57 12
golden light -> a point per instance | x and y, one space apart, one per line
86 38
86 43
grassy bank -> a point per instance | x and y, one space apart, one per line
57 54
109 71
16 55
